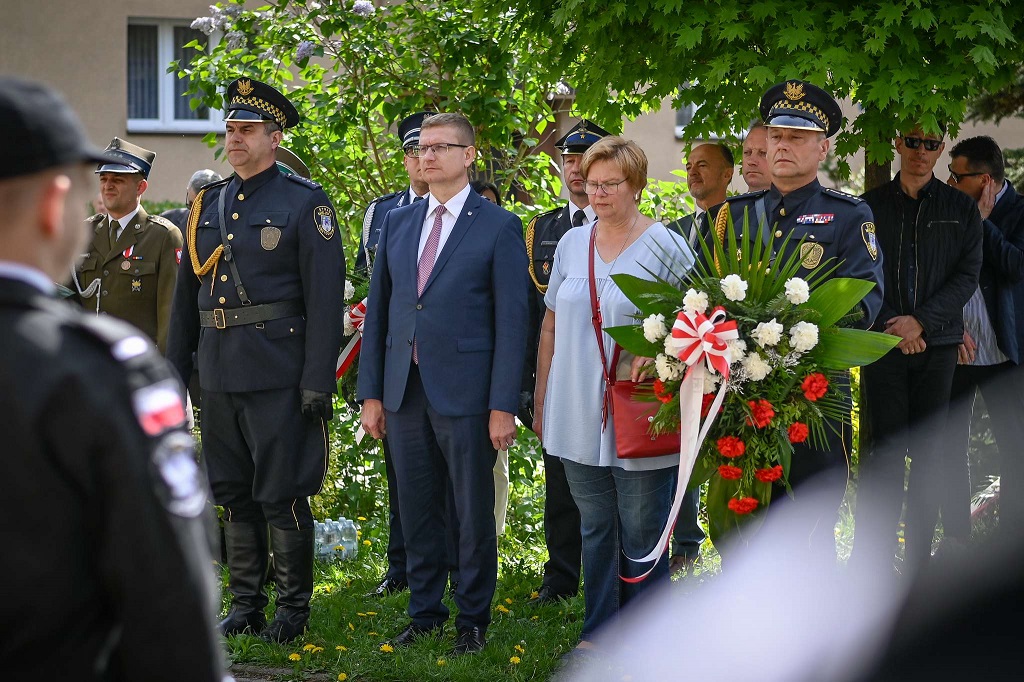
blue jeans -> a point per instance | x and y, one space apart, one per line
622 513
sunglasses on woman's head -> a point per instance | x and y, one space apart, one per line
915 142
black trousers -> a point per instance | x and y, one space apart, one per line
263 457
907 403
1002 387
561 531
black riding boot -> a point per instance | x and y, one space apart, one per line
246 549
293 562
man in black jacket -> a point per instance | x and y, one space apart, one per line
930 238
990 354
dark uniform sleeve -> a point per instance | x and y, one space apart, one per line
145 502
861 258
322 268
949 299
183 327
167 275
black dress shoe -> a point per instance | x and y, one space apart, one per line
413 633
469 641
388 586
546 595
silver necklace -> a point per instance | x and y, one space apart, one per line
622 247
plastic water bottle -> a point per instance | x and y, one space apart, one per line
349 538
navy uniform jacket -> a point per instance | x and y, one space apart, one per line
136 273
103 515
542 236
283 235
470 324
373 220
835 226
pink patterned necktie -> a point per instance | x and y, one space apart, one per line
426 263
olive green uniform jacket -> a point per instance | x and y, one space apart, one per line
135 274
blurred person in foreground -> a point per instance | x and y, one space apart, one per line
623 503
104 520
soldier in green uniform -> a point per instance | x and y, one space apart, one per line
133 257
829 228
561 517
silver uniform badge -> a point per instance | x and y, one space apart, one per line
270 237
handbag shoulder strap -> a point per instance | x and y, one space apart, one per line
596 320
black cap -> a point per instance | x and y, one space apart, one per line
127 158
802 105
40 130
581 137
290 164
251 100
409 128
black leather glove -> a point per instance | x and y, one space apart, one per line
317 405
525 412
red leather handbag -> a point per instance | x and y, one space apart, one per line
632 418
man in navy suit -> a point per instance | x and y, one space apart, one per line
443 346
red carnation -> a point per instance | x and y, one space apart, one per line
660 393
744 505
730 446
798 432
730 473
814 386
762 413
769 475
705 405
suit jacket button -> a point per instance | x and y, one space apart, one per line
419 306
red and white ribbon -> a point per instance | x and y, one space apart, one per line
356 315
703 344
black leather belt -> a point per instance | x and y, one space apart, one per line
222 318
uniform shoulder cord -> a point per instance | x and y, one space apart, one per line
193 223
530 233
721 224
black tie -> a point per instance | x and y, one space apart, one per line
417 199
579 217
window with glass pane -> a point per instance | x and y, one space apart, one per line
184 55
143 72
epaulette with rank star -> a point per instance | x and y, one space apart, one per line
215 183
852 198
385 197
305 182
747 195
162 222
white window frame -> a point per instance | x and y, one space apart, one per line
166 123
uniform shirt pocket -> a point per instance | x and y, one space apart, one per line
139 268
823 234
272 218
88 263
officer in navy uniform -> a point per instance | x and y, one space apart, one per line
103 515
829 228
260 294
373 217
561 516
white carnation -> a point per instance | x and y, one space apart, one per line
756 367
711 382
350 291
668 368
695 301
737 350
797 290
654 328
734 288
350 328
767 333
803 336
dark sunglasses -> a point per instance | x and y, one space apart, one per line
958 177
915 142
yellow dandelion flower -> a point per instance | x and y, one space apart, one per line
371 613
507 600
360 518
351 627
367 543
342 677
340 648
534 617
441 661
502 609
534 594
387 648
317 649
901 539
309 647
359 533
520 649
361 615
327 588
373 633
515 660
294 657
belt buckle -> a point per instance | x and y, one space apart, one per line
219 321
